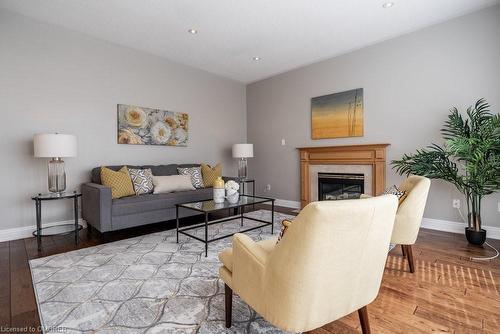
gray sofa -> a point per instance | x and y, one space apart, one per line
106 214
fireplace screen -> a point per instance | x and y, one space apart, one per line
335 186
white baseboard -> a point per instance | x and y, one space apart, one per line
287 204
430 223
27 231
492 232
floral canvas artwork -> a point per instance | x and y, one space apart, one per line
147 126
337 115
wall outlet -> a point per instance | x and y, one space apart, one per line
283 142
456 203
268 187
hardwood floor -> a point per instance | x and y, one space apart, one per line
447 293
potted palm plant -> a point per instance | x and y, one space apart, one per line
469 159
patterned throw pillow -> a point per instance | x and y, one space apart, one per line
142 179
394 190
285 224
210 174
119 182
195 173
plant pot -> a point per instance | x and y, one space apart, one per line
475 237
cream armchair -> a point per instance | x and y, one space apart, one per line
409 215
329 263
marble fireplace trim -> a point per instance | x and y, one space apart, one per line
366 170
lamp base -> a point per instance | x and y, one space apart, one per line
242 168
57 175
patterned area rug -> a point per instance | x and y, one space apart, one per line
147 284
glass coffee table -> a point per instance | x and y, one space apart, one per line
209 206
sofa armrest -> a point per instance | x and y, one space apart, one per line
96 206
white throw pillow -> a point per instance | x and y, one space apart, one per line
171 183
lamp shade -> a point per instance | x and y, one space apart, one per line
243 151
54 145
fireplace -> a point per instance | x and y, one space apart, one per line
337 186
368 160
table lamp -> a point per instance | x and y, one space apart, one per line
55 146
242 151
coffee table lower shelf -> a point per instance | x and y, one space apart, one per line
207 223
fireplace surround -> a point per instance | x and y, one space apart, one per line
368 160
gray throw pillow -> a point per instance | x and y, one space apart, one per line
195 174
394 190
142 179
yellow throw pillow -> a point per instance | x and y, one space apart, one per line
210 174
285 224
119 182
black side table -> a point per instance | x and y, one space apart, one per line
243 182
58 229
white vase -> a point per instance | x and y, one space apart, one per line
219 195
233 198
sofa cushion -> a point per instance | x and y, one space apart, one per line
148 202
159 170
172 183
394 190
188 165
195 174
142 179
96 172
163 170
285 224
119 182
210 174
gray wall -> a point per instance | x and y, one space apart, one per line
409 84
52 79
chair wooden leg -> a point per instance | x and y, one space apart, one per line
229 305
409 255
363 319
403 250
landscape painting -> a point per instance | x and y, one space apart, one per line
337 115
147 126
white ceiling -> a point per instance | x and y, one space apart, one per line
286 34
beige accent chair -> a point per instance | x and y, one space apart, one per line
409 215
329 264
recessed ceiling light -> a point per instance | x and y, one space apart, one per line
193 31
388 5
256 58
